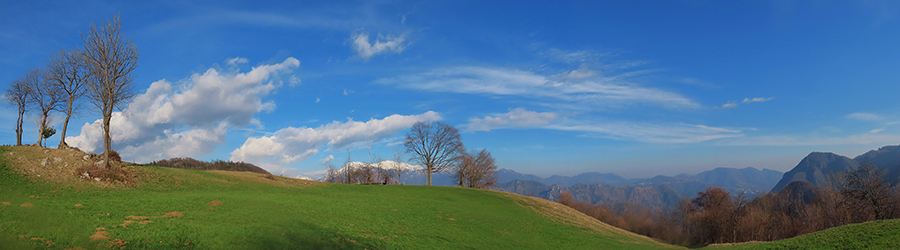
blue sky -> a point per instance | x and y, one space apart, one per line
629 87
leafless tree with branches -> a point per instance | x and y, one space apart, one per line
110 59
435 145
397 159
476 170
871 194
66 69
17 95
45 97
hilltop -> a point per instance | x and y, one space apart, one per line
49 206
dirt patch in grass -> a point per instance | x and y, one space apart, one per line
27 205
100 235
172 214
119 243
6 203
79 205
67 167
215 203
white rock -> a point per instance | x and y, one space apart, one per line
100 163
46 151
86 175
12 153
96 179
86 157
45 162
57 159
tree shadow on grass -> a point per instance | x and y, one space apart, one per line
299 235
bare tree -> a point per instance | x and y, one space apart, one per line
476 170
17 94
871 193
110 59
398 157
435 145
45 97
331 175
67 71
482 172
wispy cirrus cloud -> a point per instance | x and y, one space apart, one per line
732 104
518 117
862 116
649 132
757 99
872 137
591 93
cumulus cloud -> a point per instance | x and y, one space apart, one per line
588 93
864 116
189 118
292 144
365 49
757 99
518 117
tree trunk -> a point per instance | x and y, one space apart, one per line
429 175
43 127
19 124
62 136
107 116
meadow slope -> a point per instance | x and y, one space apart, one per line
47 206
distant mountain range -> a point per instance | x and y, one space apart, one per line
816 167
656 192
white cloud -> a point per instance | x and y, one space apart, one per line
578 74
586 94
294 81
366 50
877 130
188 119
318 100
348 92
518 117
237 60
653 133
327 160
580 56
757 99
864 116
732 104
729 104
791 140
292 144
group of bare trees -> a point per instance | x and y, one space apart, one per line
101 70
716 216
435 145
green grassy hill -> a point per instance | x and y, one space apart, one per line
883 234
47 206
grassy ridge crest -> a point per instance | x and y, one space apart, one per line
170 208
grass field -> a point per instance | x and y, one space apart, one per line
869 235
175 208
